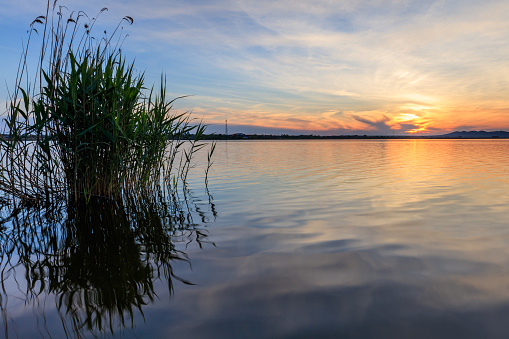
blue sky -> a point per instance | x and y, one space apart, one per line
323 67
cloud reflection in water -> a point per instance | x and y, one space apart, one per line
99 261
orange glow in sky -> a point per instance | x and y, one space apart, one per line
330 67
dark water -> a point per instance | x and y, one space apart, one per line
343 239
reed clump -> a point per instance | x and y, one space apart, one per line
84 124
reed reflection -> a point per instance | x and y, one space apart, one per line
99 260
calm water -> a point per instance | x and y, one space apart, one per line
339 238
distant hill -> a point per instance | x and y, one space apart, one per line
476 134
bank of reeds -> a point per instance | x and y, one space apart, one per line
99 262
84 124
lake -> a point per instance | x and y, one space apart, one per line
295 239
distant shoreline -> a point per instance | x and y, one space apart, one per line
241 136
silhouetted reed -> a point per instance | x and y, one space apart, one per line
85 125
99 260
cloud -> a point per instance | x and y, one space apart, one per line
443 61
379 124
408 127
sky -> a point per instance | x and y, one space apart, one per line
342 67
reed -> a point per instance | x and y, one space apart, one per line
84 124
97 263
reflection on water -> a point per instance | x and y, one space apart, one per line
357 239
99 261
328 239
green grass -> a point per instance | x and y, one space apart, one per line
95 128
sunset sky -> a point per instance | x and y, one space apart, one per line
323 67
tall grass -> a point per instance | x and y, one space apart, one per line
84 124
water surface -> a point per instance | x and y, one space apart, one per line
333 238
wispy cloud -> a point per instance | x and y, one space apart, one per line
378 124
291 63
